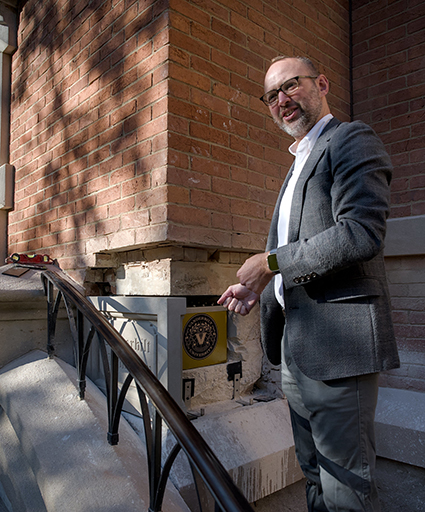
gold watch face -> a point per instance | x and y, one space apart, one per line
200 336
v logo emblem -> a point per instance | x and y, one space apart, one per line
201 337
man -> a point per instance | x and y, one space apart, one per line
324 296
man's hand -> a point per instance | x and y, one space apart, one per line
255 273
239 298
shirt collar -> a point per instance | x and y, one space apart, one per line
307 143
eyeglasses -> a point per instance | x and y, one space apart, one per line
288 88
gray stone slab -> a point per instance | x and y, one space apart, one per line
64 441
254 443
23 318
400 426
25 288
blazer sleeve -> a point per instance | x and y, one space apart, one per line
345 204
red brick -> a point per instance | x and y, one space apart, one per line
227 156
210 238
109 195
229 124
245 146
136 120
134 95
96 214
135 185
188 145
188 216
181 41
247 209
221 221
135 219
190 11
210 201
199 131
240 224
229 188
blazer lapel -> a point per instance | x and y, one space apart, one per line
309 166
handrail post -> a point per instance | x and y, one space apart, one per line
80 355
155 470
113 437
50 321
52 314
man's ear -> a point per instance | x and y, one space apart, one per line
323 84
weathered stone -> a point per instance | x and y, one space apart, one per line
254 443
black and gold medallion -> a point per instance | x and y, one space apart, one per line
204 338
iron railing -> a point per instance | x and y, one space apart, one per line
208 472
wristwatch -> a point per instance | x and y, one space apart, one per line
272 261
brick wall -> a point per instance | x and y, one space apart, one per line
389 92
137 123
88 127
227 157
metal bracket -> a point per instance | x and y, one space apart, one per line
234 372
188 393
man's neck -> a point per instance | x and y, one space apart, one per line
293 148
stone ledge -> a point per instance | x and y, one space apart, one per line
63 440
400 426
27 288
254 443
23 318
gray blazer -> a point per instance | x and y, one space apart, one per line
337 307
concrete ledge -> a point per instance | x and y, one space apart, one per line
20 289
63 442
23 318
400 426
18 484
254 443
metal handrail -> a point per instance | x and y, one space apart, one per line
203 461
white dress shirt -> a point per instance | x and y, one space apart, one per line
301 151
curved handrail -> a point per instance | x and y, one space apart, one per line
225 493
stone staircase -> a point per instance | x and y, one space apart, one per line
54 455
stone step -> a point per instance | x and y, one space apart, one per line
253 442
400 426
55 445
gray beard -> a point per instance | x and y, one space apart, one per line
309 117
301 126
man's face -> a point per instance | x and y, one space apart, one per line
297 114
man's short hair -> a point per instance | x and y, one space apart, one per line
312 67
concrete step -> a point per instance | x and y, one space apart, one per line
55 455
23 318
254 443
